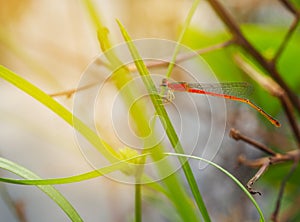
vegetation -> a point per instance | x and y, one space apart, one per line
167 181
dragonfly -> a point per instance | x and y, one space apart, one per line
229 90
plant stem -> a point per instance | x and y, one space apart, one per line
138 201
183 31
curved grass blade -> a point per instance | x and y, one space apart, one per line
54 194
9 165
61 111
262 219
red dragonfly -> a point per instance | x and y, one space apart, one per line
230 90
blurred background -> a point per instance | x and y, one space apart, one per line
50 43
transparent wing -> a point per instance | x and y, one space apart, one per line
239 89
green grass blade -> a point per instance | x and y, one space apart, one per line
12 167
156 100
179 41
95 18
49 190
61 111
8 165
262 219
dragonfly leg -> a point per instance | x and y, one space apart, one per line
168 97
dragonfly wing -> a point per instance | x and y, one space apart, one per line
239 89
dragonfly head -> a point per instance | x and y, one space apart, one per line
164 83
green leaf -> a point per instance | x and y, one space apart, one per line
230 176
8 165
62 112
182 33
90 175
49 190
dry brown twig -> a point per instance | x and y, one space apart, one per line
184 57
264 163
285 41
290 32
290 7
69 93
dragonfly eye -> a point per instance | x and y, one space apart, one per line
164 83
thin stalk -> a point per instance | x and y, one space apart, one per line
182 33
235 180
138 201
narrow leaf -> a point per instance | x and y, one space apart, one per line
61 111
54 194
262 219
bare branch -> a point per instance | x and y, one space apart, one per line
208 49
252 163
264 81
264 163
69 93
277 159
285 40
287 106
184 57
290 7
235 134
